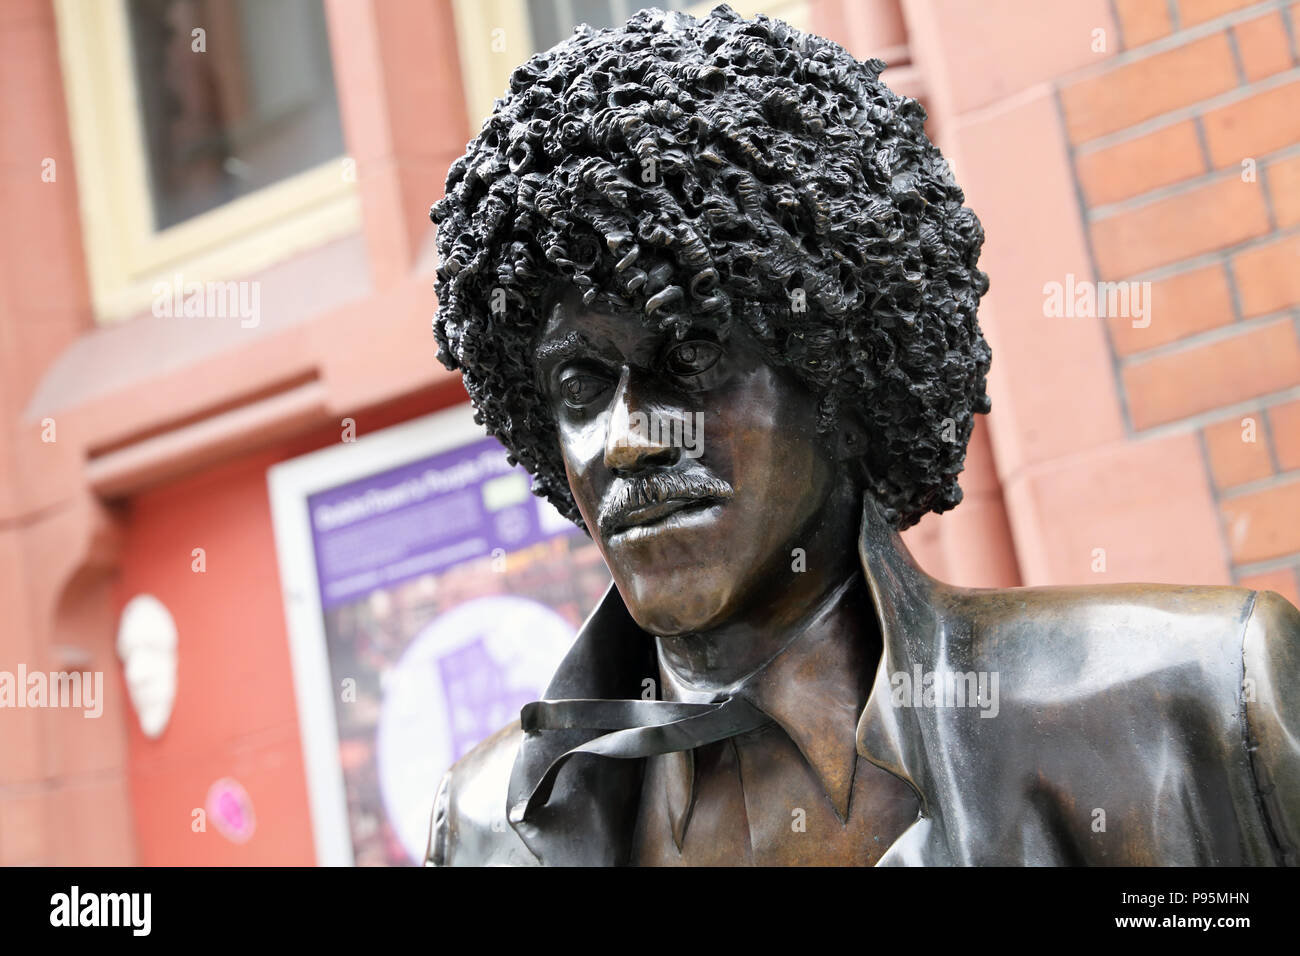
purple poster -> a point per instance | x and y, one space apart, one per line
450 594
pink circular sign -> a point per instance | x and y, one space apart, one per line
231 810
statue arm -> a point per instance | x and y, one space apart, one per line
1271 652
439 826
468 825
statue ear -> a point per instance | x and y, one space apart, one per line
850 438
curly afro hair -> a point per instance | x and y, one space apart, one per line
691 173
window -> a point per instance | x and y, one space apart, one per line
495 36
257 108
207 139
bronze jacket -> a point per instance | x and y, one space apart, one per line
1134 725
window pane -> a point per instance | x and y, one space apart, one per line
234 95
553 20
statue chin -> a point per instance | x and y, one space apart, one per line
677 604
672 621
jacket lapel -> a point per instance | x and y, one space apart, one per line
911 634
591 814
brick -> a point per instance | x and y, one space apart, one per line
1234 460
1146 88
1263 524
1264 46
1284 423
1284 189
1251 363
1133 167
1192 12
1254 126
1181 305
1283 581
1022 43
1142 21
1214 216
1268 276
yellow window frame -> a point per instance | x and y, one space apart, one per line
125 256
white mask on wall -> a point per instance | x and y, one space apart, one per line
146 643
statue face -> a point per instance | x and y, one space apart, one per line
695 463
146 642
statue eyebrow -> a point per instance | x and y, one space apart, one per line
573 345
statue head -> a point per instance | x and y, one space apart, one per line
147 643
710 282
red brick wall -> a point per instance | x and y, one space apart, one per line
1186 151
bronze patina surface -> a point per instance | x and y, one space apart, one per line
710 282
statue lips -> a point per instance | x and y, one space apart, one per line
647 504
656 515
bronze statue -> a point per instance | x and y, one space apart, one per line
711 283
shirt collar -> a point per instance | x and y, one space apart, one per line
814 690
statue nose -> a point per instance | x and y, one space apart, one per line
637 437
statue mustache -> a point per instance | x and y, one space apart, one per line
655 488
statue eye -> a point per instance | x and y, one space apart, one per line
579 389
692 358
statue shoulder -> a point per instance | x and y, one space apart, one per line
1235 651
1145 624
1275 621
1088 641
1169 602
469 825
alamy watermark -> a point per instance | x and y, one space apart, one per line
132 911
922 688
685 432
75 689
176 298
1085 299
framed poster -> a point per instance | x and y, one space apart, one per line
428 596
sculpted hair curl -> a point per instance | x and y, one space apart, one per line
693 173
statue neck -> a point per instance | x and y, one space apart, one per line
719 662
